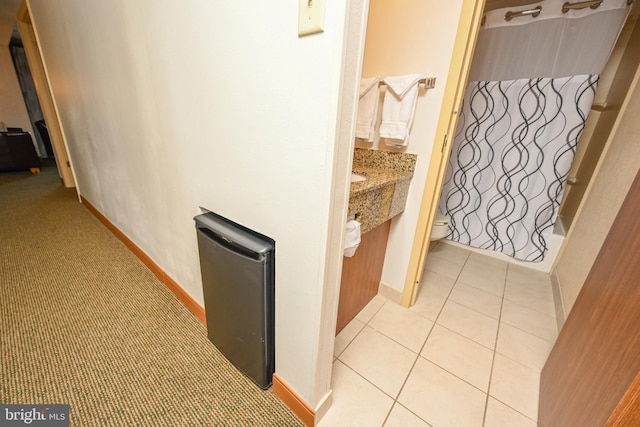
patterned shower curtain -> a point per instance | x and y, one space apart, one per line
533 80
512 153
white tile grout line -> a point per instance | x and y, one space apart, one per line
360 331
495 349
503 298
493 362
421 349
487 393
395 399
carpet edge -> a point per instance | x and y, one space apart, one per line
192 305
280 388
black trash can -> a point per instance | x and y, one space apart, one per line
238 280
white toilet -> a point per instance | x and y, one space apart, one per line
440 226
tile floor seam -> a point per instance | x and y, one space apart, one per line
395 400
497 404
465 337
337 356
518 362
506 356
474 285
408 410
527 307
495 351
529 332
365 324
388 414
404 383
369 381
397 342
376 387
471 308
455 280
419 355
412 366
451 373
435 321
386 300
386 418
513 409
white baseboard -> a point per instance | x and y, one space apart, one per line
390 293
323 406
561 315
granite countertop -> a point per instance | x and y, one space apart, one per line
376 178
383 195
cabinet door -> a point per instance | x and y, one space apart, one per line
361 274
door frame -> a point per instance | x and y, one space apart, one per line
463 48
45 95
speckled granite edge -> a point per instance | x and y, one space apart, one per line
383 194
376 178
372 208
384 160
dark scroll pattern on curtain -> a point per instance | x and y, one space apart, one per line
512 152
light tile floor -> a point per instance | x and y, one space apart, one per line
468 353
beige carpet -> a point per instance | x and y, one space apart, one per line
83 322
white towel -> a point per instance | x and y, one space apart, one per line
398 108
368 108
351 238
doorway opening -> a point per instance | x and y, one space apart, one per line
45 96
612 89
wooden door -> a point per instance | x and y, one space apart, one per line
597 355
464 45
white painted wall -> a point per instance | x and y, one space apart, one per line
171 105
404 37
616 170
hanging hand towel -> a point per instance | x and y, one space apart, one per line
367 108
398 108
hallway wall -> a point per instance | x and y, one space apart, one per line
174 105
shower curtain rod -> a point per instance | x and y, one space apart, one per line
533 12
593 4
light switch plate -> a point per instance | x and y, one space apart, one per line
310 17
